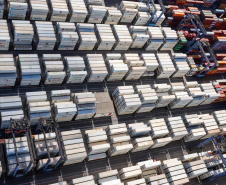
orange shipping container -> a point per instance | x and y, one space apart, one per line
212 72
178 14
222 6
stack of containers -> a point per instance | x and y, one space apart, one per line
59 10
180 64
166 67
164 98
177 128
113 15
175 172
45 38
209 158
4 37
158 128
22 151
135 65
150 62
142 18
192 120
68 37
149 168
74 147
214 161
157 14
127 57
212 173
108 177
96 68
219 87
190 84
139 35
182 41
209 20
125 100
123 37
170 38
198 96
128 4
63 109
141 143
182 97
211 94
219 43
148 98
30 70
23 33
193 67
41 150
138 129
189 157
160 179
130 173
96 140
119 139
86 179
75 67
103 106
220 117
8 74
177 86
96 14
38 106
54 70
128 15
115 66
195 134
210 125
87 36
10 108
161 142
17 10
39 10
142 7
195 168
156 38
78 11
85 104
106 39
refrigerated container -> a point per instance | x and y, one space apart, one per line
23 34
46 37
58 10
75 151
29 69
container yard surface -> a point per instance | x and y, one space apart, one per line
173 150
